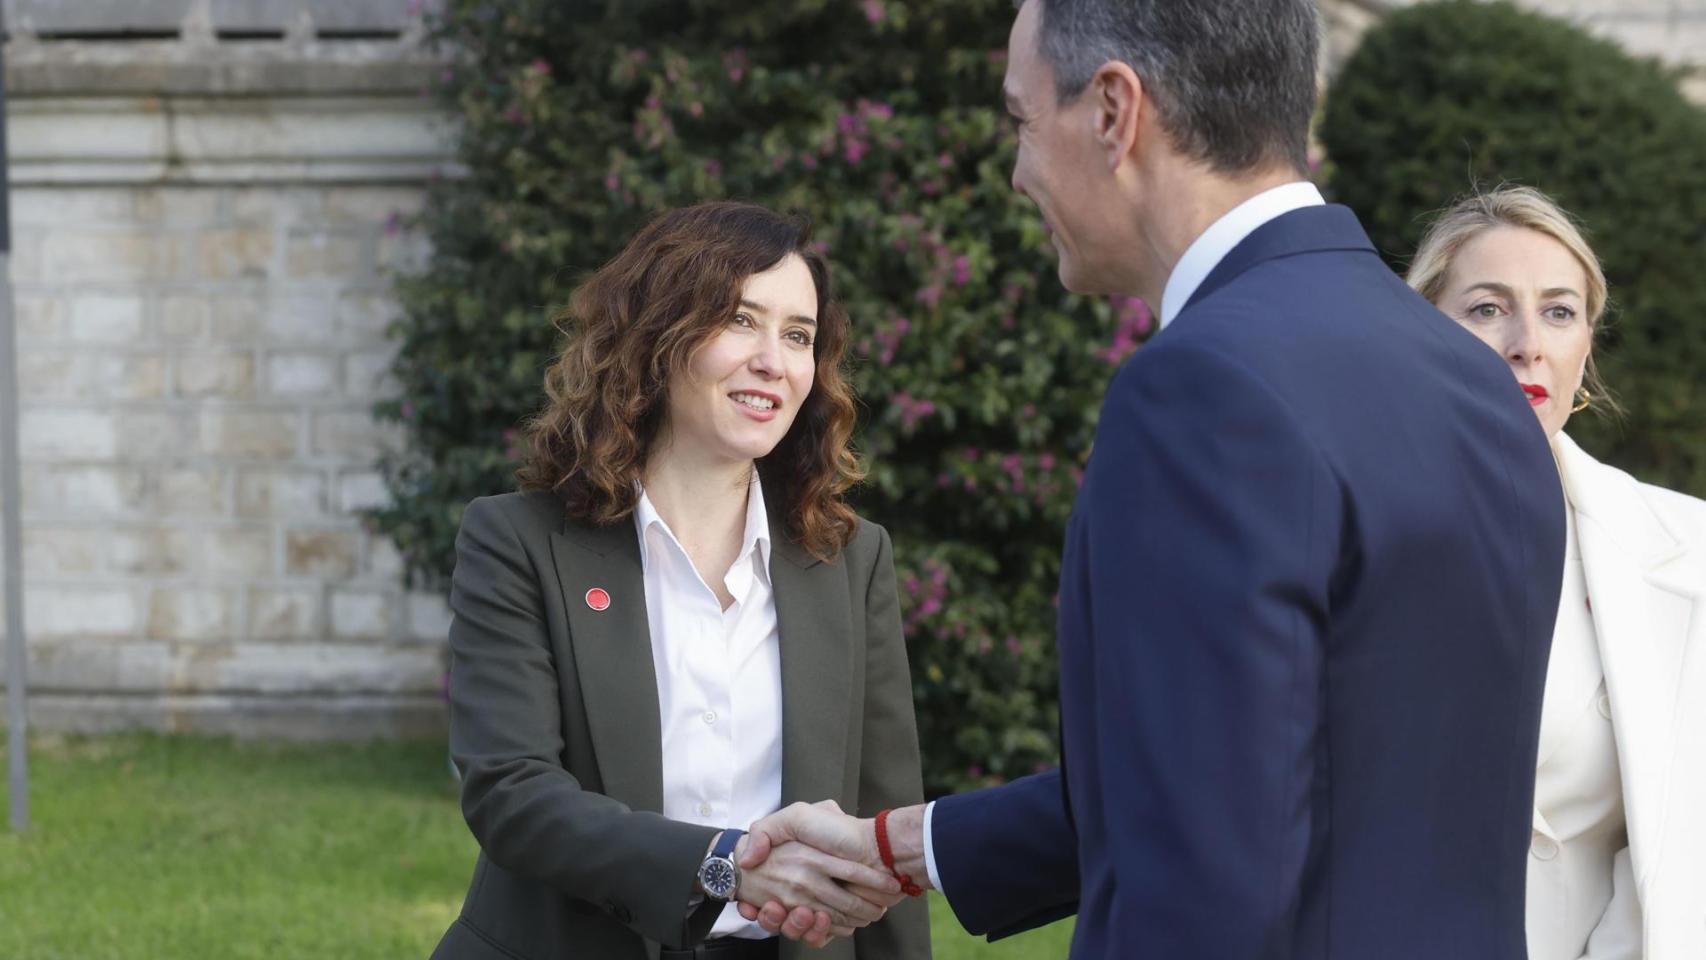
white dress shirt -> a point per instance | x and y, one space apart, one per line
1199 260
722 749
1206 251
1579 825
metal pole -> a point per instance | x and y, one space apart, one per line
17 713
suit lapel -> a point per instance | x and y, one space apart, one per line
613 658
814 620
1642 615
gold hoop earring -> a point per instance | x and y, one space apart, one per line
1583 400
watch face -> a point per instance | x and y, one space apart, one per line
717 876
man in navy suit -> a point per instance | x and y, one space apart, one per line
1309 584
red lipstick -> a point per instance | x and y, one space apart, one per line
1536 393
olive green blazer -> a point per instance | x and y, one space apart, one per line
554 727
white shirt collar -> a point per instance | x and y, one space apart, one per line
756 535
1206 252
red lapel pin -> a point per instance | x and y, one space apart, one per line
598 598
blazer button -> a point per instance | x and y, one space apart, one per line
1543 847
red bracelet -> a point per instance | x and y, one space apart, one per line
906 885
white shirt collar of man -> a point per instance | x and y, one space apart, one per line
1206 252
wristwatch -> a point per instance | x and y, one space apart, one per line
719 876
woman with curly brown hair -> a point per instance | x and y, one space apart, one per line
678 625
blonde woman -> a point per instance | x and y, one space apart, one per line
1617 863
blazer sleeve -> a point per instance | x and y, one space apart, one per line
889 772
1007 856
1208 550
529 814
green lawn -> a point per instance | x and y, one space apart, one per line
151 847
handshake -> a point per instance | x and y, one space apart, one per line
810 872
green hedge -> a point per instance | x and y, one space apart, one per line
979 376
1445 95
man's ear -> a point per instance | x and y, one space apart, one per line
1119 104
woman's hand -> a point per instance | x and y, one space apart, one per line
828 896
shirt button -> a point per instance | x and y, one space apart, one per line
704 809
710 716
1604 706
1543 847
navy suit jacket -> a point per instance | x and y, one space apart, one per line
1306 602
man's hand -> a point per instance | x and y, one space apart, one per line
823 826
833 895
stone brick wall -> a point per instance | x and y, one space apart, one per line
204 236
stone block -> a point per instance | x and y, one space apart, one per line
184 318
362 491
320 668
53 552
81 204
227 375
50 375
367 374
373 205
198 206
429 617
83 664
136 551
85 491
299 320
361 615
39 318
70 257
193 492
60 434
284 613
241 253
270 204
106 319
353 435
219 553
80 611
198 614
302 375
384 564
321 255
250 434
237 319
293 494
363 316
83 375
327 554
153 435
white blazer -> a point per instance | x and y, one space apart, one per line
1644 558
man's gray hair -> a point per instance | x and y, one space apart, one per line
1234 80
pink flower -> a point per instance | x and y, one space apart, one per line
962 270
874 11
611 181
855 151
931 295
539 65
1013 645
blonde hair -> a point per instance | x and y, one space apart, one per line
1511 206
